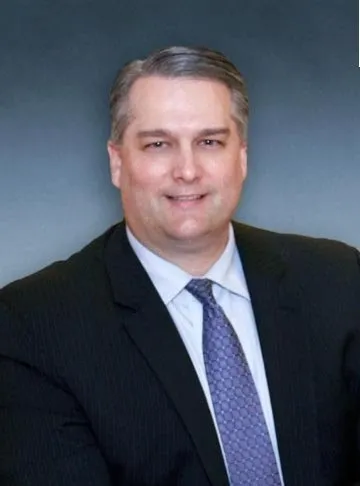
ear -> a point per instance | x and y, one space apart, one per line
243 159
114 152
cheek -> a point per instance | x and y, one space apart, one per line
142 187
228 184
143 177
228 176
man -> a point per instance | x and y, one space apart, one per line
181 347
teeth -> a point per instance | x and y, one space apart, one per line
186 198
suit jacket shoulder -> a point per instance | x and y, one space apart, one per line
49 284
310 256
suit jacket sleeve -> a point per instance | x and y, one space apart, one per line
352 370
45 438
355 364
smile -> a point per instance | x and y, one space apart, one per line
187 198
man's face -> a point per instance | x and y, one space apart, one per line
181 163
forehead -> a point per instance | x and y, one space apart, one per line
175 100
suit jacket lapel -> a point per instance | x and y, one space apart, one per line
276 298
153 331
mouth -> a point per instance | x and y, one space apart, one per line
186 201
190 197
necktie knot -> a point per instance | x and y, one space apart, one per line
201 289
242 426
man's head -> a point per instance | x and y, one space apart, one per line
178 146
178 62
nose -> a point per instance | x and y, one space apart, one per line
186 165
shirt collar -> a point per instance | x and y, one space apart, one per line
227 271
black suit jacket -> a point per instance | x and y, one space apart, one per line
97 388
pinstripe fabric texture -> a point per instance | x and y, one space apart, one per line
97 389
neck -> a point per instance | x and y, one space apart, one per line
196 263
194 256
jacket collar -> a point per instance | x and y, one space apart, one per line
276 301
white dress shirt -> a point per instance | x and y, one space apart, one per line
231 293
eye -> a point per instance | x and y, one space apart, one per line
155 145
210 142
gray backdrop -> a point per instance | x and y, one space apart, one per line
58 59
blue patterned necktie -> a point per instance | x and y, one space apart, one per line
245 438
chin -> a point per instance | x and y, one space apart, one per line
190 230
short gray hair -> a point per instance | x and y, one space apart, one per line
176 62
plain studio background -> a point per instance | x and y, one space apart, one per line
58 60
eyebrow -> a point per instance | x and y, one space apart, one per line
206 132
214 131
152 133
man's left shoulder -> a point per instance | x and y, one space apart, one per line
323 250
305 252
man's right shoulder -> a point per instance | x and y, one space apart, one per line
63 279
